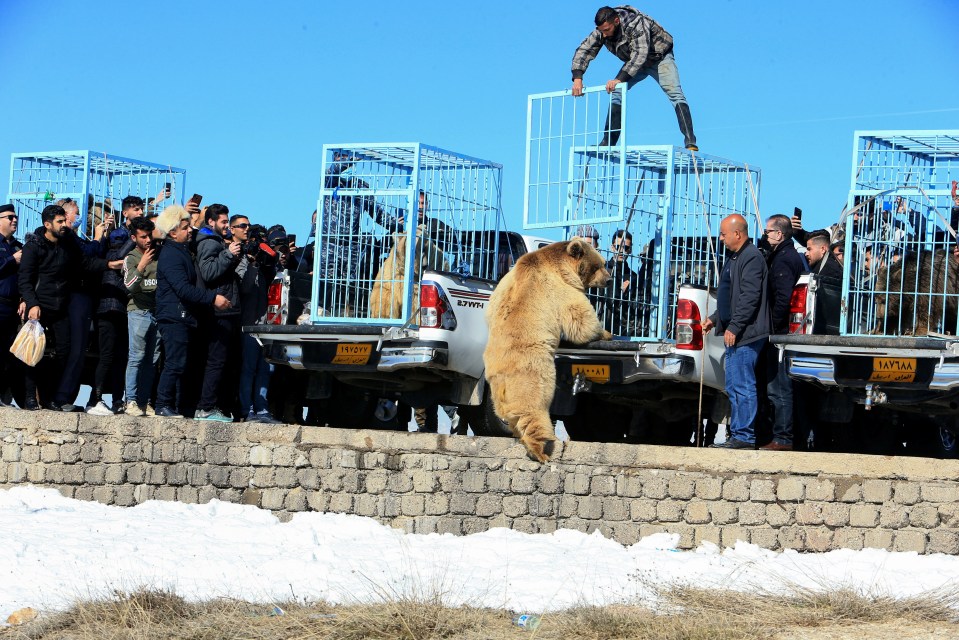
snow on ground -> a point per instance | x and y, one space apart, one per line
54 550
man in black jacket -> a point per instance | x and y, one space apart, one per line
11 307
742 318
178 302
785 266
220 266
50 269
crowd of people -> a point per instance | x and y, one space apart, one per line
163 294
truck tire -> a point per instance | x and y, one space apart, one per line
483 420
933 437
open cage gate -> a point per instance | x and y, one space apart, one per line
386 212
96 181
901 272
652 211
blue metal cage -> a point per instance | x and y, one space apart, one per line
96 181
386 212
652 211
901 269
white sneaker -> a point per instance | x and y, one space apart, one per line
100 409
133 409
149 412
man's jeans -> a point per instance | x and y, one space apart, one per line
254 377
665 74
143 356
780 390
740 366
176 338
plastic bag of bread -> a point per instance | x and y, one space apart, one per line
30 343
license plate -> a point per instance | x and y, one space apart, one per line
593 372
352 353
893 370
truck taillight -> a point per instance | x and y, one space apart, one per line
689 328
274 303
432 307
797 309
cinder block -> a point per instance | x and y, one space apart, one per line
551 482
809 513
878 539
69 453
893 517
791 489
924 516
792 538
762 491
629 486
682 487
167 494
286 477
876 491
523 482
765 538
473 481
439 504
736 489
848 538
589 508
909 540
616 509
835 514
577 484
905 492
462 503
940 492
602 485
669 511
943 542
284 455
752 513
103 495
709 488
697 512
94 474
819 539
780 515
400 483
625 533
729 536
863 515
723 513
515 506
261 456
90 452
707 534
544 506
367 505
413 505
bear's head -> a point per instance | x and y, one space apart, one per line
590 266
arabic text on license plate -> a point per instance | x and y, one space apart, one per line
893 370
352 353
593 372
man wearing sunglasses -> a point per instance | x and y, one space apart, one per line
11 307
622 292
785 265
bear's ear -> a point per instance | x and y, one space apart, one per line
576 248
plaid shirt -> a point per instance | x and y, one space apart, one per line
639 42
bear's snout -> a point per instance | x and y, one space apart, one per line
601 278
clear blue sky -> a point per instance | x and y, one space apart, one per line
244 94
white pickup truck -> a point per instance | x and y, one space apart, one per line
868 393
349 366
649 391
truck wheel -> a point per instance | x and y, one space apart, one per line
483 420
933 437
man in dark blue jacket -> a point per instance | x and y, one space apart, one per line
11 307
785 266
742 318
178 302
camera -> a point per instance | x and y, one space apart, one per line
256 247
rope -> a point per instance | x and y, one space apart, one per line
709 284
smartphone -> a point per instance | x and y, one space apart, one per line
291 238
169 187
797 213
196 198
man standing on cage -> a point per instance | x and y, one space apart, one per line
646 49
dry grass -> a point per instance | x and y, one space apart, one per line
693 614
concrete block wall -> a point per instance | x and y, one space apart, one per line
428 483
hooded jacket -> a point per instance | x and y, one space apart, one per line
220 271
51 271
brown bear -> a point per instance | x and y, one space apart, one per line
541 300
918 293
386 295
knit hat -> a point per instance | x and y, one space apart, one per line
168 220
7 208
